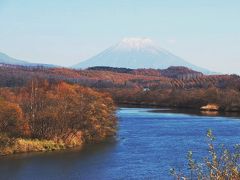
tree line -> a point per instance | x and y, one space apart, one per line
227 99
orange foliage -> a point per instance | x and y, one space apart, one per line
11 119
57 111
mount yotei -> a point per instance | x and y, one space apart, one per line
137 53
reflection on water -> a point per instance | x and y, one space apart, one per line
148 145
210 113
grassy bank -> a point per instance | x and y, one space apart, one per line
10 145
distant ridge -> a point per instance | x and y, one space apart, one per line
5 59
137 53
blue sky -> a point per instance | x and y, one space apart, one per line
65 32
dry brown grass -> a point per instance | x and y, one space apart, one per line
20 145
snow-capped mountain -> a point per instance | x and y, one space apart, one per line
137 53
5 59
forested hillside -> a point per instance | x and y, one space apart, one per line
107 77
172 87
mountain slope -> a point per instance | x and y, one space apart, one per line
137 53
5 59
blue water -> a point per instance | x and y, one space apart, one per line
147 146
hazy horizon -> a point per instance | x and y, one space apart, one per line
65 33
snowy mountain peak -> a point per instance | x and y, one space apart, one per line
135 43
136 53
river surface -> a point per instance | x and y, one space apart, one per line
147 146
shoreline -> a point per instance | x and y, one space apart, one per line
185 110
26 146
220 110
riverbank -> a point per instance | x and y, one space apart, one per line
11 145
221 110
182 110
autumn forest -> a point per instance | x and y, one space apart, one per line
59 114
